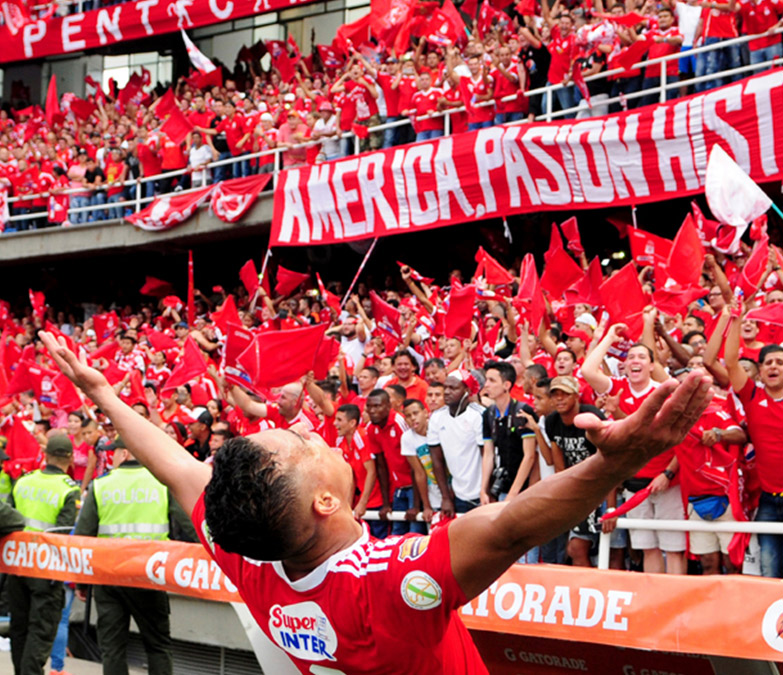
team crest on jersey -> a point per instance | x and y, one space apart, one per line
420 591
303 631
413 548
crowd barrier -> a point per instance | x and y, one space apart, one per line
547 93
635 610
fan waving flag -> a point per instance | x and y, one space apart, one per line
191 365
249 277
387 317
176 127
733 197
288 281
200 62
233 198
169 210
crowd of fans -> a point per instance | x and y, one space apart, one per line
437 420
81 158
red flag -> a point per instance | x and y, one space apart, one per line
758 228
586 290
491 269
555 242
165 104
191 292
105 325
330 57
130 90
526 8
387 317
571 233
622 296
330 298
647 249
38 302
455 17
190 366
459 316
22 448
579 80
99 94
137 394
161 342
750 279
277 358
249 277
83 109
288 281
470 7
327 354
176 127
440 30
284 66
708 229
630 19
629 56
356 33
360 130
673 301
768 314
686 257
560 272
3 373
467 96
233 198
489 15
227 313
157 288
621 224
238 339
297 54
637 499
16 15
530 300
415 275
169 210
105 351
20 379
53 113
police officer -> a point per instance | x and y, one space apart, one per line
46 498
130 503
5 480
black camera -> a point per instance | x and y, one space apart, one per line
500 482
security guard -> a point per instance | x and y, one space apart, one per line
130 503
5 480
46 498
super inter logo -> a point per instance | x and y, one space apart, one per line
303 631
420 591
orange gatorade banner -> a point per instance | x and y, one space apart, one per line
691 615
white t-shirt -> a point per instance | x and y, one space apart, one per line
461 438
687 20
330 145
415 445
545 469
198 156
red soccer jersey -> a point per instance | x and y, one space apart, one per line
149 157
459 121
357 456
717 23
386 440
391 96
658 49
759 17
366 106
416 389
765 427
424 103
235 130
563 52
376 607
704 470
504 88
158 375
273 415
480 88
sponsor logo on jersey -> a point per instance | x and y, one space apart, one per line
413 548
303 631
420 591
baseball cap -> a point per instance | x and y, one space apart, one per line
203 415
566 383
587 319
325 106
468 379
576 333
267 117
59 446
181 324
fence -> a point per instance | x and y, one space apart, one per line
547 93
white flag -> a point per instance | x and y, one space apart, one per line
200 62
733 196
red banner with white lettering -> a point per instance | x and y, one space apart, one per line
127 21
645 155
170 210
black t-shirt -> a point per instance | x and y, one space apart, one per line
219 140
536 63
594 58
97 172
570 439
507 430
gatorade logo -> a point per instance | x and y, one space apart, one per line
303 631
772 626
420 591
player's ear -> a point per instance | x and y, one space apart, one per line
326 503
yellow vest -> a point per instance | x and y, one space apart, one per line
40 497
132 504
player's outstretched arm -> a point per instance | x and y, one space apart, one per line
486 541
171 464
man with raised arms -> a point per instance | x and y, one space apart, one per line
274 510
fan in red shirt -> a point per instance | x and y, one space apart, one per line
563 51
275 512
352 441
509 79
479 87
405 374
757 18
148 150
665 39
425 103
718 23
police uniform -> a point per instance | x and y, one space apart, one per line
46 499
130 503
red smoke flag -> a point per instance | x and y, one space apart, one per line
249 277
277 358
191 292
560 272
387 317
491 269
571 232
686 257
176 127
288 281
459 316
53 113
530 300
190 366
624 299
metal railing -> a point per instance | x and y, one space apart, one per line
548 115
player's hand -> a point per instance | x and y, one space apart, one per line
411 514
447 508
88 379
659 484
384 511
661 422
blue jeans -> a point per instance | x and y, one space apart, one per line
242 169
61 640
568 97
78 203
379 528
766 53
505 117
97 199
428 135
771 511
532 556
390 135
347 146
653 97
402 501
465 505
480 125
223 172
115 212
715 61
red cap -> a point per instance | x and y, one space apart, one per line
577 333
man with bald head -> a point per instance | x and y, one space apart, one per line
284 414
274 511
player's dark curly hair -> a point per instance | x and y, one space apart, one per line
250 504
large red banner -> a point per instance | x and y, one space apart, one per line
629 158
126 21
732 615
